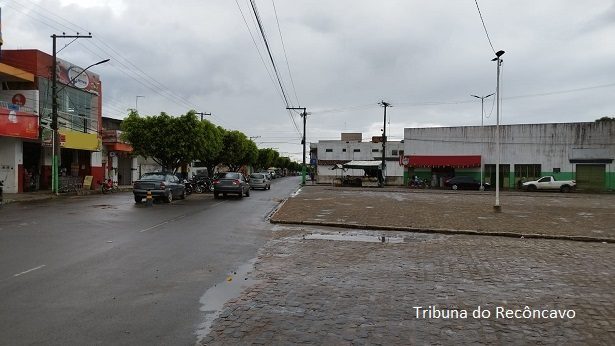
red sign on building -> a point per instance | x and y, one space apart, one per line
18 124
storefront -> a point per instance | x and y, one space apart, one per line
437 168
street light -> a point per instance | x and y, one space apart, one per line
482 116
497 206
56 150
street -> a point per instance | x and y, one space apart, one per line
102 270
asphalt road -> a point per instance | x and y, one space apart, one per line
102 270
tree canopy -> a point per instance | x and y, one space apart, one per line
175 141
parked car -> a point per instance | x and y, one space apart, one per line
464 183
165 186
231 182
550 183
260 181
267 174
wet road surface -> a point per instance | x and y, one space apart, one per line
100 269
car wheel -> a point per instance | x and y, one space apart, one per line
531 188
216 195
455 187
565 188
241 194
138 199
248 193
183 196
169 197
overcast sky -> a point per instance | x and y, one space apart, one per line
424 57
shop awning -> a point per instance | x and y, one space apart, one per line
363 164
433 161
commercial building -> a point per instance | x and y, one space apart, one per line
118 162
580 151
25 120
351 147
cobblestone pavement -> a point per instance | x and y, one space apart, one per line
548 214
336 292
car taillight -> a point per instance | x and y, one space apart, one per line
163 185
236 182
216 181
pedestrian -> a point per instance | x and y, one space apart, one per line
312 177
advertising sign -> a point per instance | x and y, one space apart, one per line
75 76
21 100
14 123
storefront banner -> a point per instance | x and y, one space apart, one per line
74 76
14 123
20 100
79 140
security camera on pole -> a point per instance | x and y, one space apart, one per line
497 207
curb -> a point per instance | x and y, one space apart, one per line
61 195
448 231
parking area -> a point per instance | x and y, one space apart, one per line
573 215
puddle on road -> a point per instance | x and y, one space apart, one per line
214 298
354 237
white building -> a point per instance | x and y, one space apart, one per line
580 151
351 147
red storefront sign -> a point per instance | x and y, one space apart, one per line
435 161
18 124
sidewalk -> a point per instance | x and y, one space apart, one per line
572 216
42 195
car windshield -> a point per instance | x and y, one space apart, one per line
257 176
153 176
228 175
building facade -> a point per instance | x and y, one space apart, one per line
578 151
29 153
329 153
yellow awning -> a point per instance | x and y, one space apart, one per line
79 140
13 74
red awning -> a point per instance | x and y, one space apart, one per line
461 161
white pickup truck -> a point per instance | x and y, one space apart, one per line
549 183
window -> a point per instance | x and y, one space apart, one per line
357 150
344 150
375 150
329 150
556 170
527 171
394 152
401 153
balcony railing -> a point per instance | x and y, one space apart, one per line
72 121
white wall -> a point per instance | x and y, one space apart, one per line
11 156
551 145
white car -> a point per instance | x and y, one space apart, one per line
550 183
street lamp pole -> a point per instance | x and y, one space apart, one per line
482 117
381 178
498 60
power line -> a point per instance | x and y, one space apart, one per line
485 27
292 82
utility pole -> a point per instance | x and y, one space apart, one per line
202 114
381 178
303 115
55 185
497 208
482 117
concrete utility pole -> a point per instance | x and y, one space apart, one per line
55 185
482 117
202 114
385 105
303 115
497 207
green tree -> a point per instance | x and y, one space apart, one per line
235 144
266 158
605 119
169 141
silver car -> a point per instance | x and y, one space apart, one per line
260 181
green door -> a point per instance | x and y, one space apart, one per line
590 177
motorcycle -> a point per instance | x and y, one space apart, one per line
203 185
108 186
189 186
